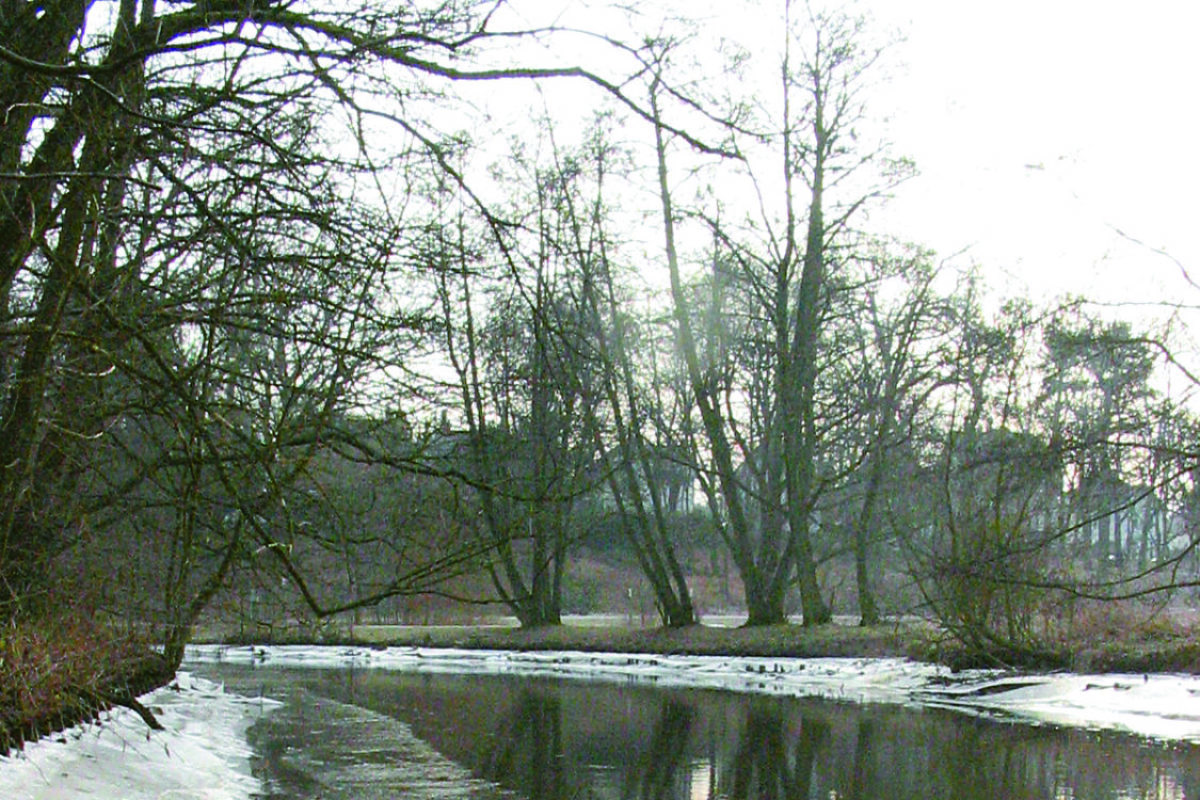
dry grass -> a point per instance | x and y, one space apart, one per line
1085 635
1103 637
54 672
893 639
1131 637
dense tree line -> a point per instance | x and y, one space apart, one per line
275 330
204 278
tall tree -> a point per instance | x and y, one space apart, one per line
515 339
780 261
1097 388
204 207
631 437
886 372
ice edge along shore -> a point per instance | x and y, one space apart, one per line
203 752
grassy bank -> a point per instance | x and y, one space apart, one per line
910 639
773 640
1160 649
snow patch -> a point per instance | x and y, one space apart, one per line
1163 707
854 679
202 754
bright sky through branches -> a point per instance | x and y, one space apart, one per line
1040 128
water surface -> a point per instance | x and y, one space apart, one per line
544 738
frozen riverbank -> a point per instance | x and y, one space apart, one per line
1165 707
201 755
204 754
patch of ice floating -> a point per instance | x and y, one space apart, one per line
1165 707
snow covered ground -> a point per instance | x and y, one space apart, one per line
203 753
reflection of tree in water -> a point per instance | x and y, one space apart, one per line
662 764
864 745
548 740
773 759
528 753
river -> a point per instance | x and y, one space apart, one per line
368 733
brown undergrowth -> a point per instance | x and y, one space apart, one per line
61 670
1132 637
1085 635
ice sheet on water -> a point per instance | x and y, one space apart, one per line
204 755
1158 706
322 748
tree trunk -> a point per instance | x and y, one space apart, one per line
868 609
737 535
799 392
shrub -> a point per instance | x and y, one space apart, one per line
54 670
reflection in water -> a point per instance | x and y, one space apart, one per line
546 739
665 763
773 761
529 751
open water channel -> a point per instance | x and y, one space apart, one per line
363 733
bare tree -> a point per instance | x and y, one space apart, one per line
781 262
200 248
626 419
884 377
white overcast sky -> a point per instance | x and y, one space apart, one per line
1038 127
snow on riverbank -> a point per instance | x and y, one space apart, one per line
855 679
1165 707
202 754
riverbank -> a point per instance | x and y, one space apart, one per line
908 639
1162 707
49 692
1161 648
201 753
59 671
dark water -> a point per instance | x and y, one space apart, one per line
539 738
